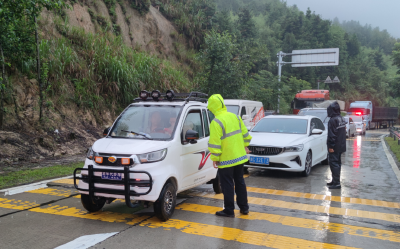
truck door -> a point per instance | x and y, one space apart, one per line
194 155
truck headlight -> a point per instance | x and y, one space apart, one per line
295 148
153 156
90 154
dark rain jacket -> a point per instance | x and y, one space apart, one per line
228 135
336 129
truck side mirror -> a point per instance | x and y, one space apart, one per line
245 117
292 105
106 131
191 136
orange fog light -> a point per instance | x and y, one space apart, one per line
98 159
125 161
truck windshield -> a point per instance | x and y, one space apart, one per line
233 108
300 104
281 125
150 121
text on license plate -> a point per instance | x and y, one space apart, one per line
259 160
111 176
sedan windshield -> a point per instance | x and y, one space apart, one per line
281 125
147 122
233 108
323 115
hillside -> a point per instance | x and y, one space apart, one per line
96 59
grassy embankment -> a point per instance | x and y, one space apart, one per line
33 175
393 146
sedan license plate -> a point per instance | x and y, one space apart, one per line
111 176
259 160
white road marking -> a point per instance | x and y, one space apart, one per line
390 158
29 187
86 241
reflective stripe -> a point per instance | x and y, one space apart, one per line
222 126
216 154
247 140
214 146
240 124
231 134
245 135
232 161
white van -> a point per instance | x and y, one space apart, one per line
250 111
155 149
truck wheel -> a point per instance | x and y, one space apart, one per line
217 185
308 165
164 207
93 205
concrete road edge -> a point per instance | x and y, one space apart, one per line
390 158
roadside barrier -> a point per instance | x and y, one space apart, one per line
394 133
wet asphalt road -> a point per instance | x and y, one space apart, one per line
287 211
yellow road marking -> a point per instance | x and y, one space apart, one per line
225 233
66 181
129 219
325 197
301 222
234 234
313 208
274 203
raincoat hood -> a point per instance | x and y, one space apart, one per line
216 104
333 110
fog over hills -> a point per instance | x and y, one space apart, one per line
379 13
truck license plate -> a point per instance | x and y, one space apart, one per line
111 176
259 160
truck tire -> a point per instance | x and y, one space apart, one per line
164 206
92 205
217 185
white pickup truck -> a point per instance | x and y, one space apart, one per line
155 149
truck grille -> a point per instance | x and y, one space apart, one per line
269 151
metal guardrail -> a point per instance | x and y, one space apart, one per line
395 133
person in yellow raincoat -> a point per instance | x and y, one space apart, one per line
228 143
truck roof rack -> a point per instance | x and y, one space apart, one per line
178 97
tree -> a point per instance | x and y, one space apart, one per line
396 56
221 72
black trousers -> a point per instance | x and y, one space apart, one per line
232 181
335 163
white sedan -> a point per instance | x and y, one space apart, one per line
288 143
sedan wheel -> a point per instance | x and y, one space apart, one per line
308 165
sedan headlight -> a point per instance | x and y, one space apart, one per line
91 154
295 148
153 156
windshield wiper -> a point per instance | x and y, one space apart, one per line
140 134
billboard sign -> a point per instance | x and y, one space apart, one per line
315 57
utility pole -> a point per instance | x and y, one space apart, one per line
280 64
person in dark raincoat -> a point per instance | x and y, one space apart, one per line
336 143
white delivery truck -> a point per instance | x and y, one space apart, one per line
155 149
250 111
364 109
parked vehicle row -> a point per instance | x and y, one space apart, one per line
158 147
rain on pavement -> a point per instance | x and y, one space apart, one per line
286 211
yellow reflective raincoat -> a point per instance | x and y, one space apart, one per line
229 135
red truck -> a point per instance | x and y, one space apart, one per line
306 99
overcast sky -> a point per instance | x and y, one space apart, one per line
384 14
